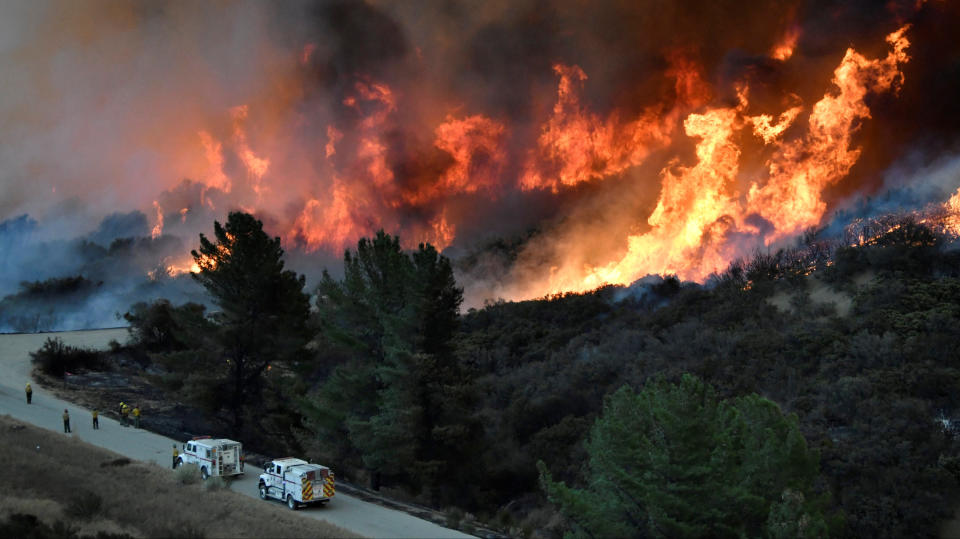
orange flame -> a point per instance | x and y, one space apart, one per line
372 151
784 49
578 146
708 212
699 208
800 169
333 137
213 150
332 225
763 124
442 232
256 166
475 144
692 214
182 267
157 228
952 206
209 263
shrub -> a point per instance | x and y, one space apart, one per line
24 525
214 483
58 288
454 518
188 474
161 327
55 358
183 530
83 505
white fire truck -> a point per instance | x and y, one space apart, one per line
214 456
296 482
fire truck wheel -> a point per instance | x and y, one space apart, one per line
263 491
290 503
203 473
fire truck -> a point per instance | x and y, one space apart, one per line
296 482
217 457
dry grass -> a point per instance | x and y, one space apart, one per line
59 479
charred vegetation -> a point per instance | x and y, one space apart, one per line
393 370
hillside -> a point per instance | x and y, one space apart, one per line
858 345
56 486
862 348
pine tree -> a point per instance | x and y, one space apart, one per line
263 311
675 461
395 315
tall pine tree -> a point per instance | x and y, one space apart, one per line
262 311
400 395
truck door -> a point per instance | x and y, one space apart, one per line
279 480
227 457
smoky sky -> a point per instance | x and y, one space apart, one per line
103 102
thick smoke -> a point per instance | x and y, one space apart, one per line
432 120
86 281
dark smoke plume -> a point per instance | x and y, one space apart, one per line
143 122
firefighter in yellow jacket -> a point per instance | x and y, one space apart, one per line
96 420
136 416
29 393
175 455
66 421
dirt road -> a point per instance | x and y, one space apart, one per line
361 517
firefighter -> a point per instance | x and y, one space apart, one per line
66 421
124 415
136 416
29 393
241 462
175 455
96 420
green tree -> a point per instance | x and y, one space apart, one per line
162 327
675 461
262 310
400 396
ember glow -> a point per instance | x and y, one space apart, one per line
605 143
784 49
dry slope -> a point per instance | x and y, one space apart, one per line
93 490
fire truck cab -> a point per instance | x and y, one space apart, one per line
297 482
214 456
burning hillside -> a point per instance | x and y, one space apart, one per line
633 138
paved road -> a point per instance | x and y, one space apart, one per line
364 518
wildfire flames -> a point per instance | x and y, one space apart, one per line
696 226
692 162
708 213
952 222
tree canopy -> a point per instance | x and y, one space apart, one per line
676 461
396 394
263 311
